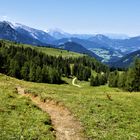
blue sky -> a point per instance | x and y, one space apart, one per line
75 16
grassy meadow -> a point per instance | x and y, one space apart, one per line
47 50
103 119
20 119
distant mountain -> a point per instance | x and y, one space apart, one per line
105 47
127 60
75 47
59 34
117 36
118 47
8 32
102 49
86 43
110 50
24 34
102 39
121 44
34 33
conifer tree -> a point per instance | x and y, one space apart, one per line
39 77
113 79
133 77
25 71
122 80
92 81
14 69
45 74
32 73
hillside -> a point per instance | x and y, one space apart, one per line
32 64
90 105
127 60
47 50
75 47
19 117
8 32
101 118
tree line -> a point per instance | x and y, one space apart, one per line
99 79
32 65
128 80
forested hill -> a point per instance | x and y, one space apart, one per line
33 65
127 60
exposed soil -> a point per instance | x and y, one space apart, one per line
64 123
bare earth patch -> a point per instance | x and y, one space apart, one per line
65 124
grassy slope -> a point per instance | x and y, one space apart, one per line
59 52
103 119
19 118
49 51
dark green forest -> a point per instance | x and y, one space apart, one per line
31 65
128 80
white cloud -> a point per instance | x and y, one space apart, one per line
4 17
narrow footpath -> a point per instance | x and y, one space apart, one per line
64 123
73 83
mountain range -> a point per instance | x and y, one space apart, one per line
72 46
106 48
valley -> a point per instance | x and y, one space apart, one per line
104 48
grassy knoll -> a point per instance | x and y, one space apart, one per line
102 119
19 118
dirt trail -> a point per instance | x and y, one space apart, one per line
73 82
65 125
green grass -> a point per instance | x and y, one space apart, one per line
102 119
59 52
20 118
48 51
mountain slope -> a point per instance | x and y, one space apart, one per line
34 33
9 33
101 49
75 47
24 34
110 50
127 60
59 34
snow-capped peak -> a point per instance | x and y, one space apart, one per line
55 30
12 24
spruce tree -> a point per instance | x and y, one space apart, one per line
39 77
122 80
133 77
92 81
14 69
113 79
45 74
32 73
25 71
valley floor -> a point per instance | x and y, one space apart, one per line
102 119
